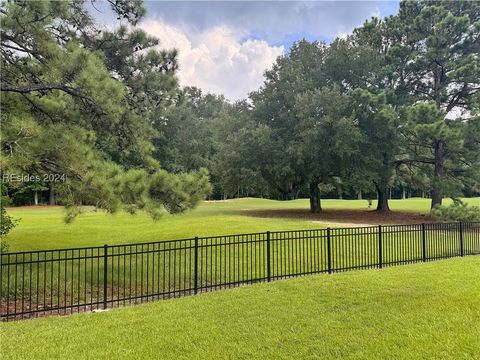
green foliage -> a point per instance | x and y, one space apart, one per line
399 83
440 67
238 160
327 132
186 136
6 222
457 211
394 104
440 143
380 125
58 114
6 225
418 60
275 116
81 102
71 212
179 192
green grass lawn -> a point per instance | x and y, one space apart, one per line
44 228
423 311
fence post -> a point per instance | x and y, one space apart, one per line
424 245
105 275
195 279
329 251
380 264
269 274
462 252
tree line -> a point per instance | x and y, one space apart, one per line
394 104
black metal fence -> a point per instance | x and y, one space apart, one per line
65 281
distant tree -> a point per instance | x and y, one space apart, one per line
151 90
237 163
445 71
379 125
283 166
327 139
426 53
185 140
439 49
428 133
361 67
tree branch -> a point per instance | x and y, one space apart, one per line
43 87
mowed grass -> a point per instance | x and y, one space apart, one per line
422 311
44 228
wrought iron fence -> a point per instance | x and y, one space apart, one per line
65 281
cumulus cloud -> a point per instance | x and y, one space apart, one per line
225 46
274 21
219 59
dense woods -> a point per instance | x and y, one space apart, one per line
394 107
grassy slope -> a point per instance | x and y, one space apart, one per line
417 311
45 229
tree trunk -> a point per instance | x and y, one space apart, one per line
404 195
35 197
438 174
382 193
51 196
315 206
359 196
382 184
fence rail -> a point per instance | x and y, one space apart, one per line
65 281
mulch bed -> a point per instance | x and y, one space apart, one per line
27 207
345 216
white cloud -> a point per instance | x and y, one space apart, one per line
216 60
278 22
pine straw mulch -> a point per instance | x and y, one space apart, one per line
345 217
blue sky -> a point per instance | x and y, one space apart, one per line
226 46
278 22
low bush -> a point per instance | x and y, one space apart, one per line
6 224
458 211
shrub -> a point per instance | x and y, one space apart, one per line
6 224
458 211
